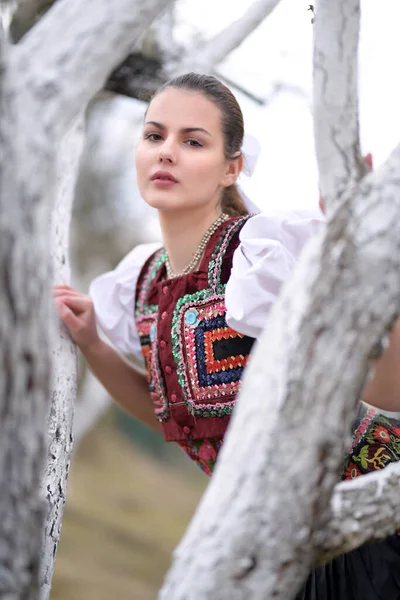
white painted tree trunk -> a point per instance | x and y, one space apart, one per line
24 382
64 375
205 57
45 82
274 508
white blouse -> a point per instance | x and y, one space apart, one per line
270 244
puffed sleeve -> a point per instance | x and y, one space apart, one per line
113 295
270 244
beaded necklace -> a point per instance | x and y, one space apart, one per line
200 249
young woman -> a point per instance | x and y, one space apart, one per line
193 307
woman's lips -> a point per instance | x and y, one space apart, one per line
163 182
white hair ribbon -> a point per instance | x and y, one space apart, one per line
250 152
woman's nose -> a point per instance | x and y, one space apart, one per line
167 153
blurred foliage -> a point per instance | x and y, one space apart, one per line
125 513
151 442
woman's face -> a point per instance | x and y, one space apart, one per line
180 158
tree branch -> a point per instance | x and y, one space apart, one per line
70 64
64 371
204 58
336 97
377 513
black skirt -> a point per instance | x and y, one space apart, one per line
371 572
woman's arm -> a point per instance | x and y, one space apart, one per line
124 382
383 391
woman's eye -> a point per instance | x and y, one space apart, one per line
194 143
154 137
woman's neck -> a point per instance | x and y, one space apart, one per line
182 233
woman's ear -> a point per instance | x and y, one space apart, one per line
234 168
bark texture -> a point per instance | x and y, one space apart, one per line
377 500
64 373
24 384
335 91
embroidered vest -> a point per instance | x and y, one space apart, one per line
194 360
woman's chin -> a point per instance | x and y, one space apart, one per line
164 204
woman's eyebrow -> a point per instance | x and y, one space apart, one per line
184 130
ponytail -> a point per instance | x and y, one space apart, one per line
232 202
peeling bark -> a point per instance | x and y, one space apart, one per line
376 497
64 377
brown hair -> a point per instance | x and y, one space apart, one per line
232 127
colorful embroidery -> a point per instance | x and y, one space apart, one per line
156 262
215 357
210 356
376 443
147 328
146 323
363 426
203 452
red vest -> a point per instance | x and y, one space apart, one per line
194 360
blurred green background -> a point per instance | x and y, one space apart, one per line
130 499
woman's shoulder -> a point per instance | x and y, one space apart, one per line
292 228
113 294
269 246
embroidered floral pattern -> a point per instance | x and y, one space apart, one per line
147 328
156 262
203 452
362 428
352 471
146 324
375 444
381 434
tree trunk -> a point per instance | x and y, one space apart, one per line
64 379
25 360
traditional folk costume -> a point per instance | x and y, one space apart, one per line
195 333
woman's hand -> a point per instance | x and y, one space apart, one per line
76 311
